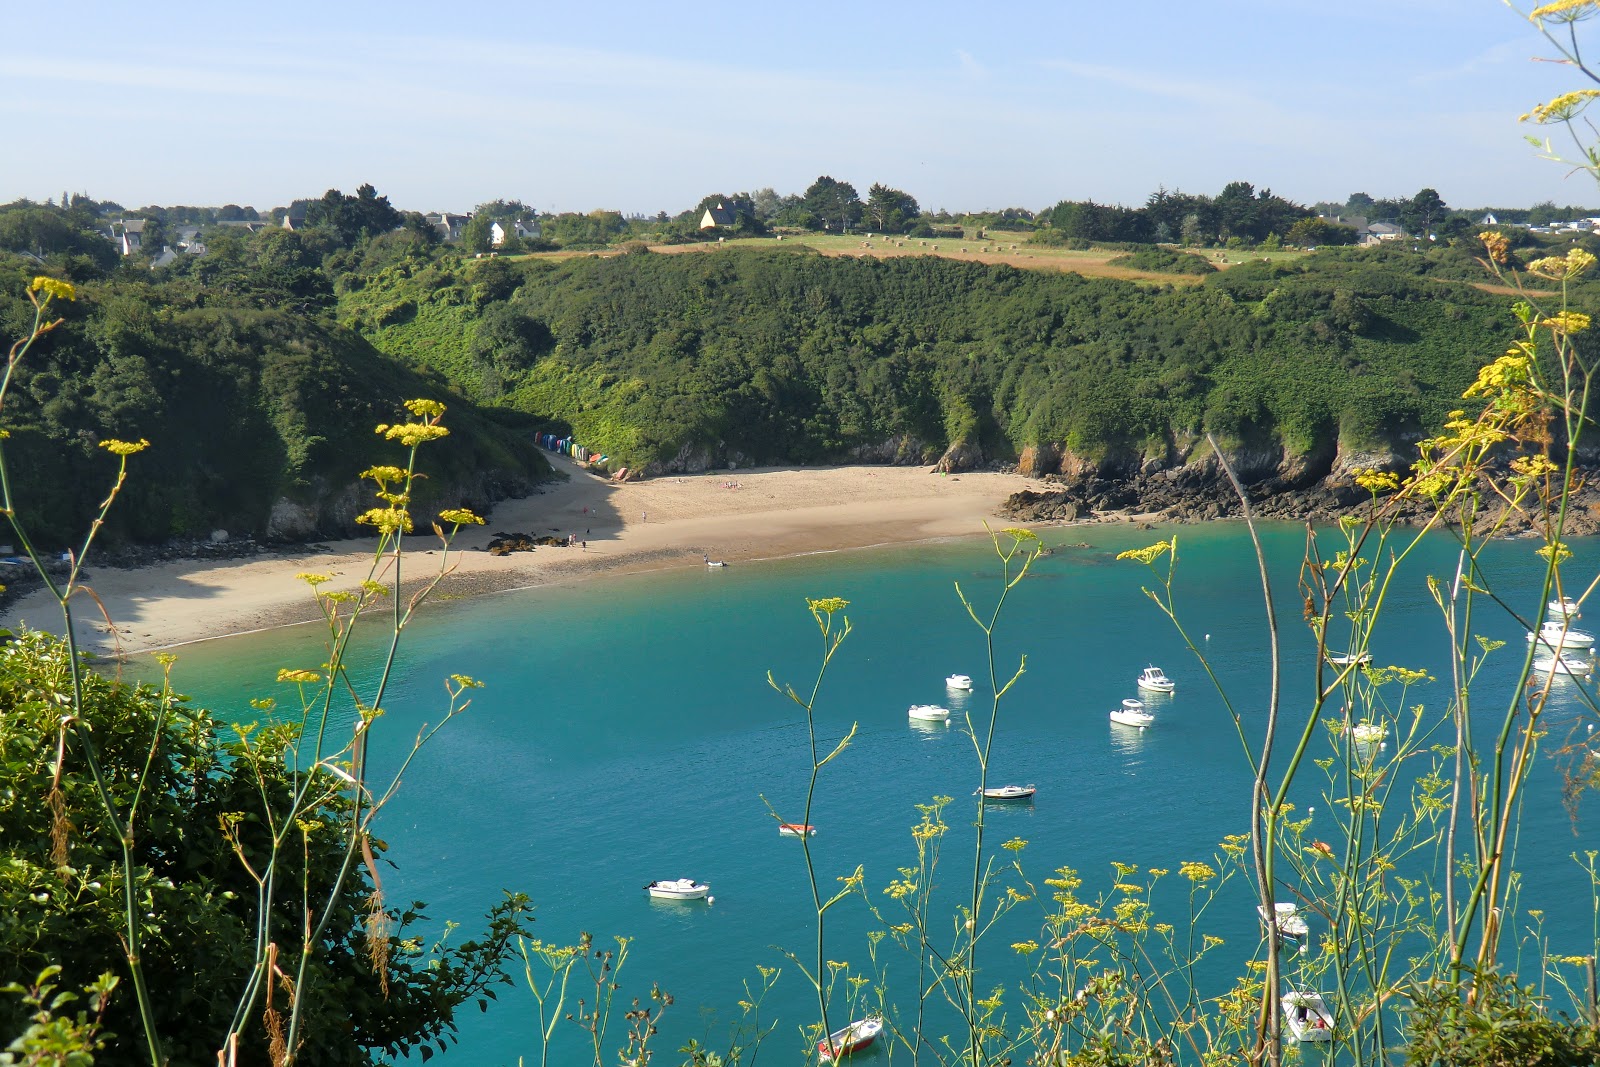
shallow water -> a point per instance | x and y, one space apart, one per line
628 733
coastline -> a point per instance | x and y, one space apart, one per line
630 527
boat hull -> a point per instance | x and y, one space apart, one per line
794 829
1306 1017
853 1038
1009 793
677 890
1139 719
928 713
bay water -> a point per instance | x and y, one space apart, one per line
628 732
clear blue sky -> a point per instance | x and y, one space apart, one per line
645 106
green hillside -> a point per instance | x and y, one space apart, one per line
785 355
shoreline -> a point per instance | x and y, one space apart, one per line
742 516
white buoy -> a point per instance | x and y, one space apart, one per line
711 900
1311 811
1303 948
1208 637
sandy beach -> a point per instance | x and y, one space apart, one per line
738 516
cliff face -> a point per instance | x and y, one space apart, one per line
330 510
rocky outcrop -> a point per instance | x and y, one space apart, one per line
1200 491
961 456
503 544
329 510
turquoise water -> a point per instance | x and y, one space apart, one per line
628 733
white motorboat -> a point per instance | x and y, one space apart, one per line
1555 634
1290 922
853 1038
1007 792
714 562
1307 1016
1562 663
962 682
796 829
1132 713
1155 679
1563 608
1368 733
678 889
1346 659
928 713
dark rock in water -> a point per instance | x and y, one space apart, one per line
1029 506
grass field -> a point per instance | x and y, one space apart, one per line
1001 247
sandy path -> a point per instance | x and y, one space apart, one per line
636 526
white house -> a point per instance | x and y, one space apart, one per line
719 215
448 225
131 235
523 228
1488 219
1380 232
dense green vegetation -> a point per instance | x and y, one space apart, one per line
257 369
207 795
248 394
786 355
1164 260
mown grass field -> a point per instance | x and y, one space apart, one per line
1001 247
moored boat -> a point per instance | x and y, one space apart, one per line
1346 659
1007 792
928 713
1132 713
678 889
1307 1016
1290 923
853 1038
1562 663
1368 733
714 562
1553 634
1155 679
796 829
1563 607
961 682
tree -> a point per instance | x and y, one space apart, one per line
353 218
203 791
475 235
890 210
1423 210
836 204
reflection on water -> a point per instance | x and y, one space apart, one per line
926 726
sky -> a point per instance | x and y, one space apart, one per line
651 105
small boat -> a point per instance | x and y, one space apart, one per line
1562 663
1563 608
796 829
1349 659
928 713
959 681
1368 733
853 1038
1307 1016
1555 634
1155 679
678 889
1290 924
1007 792
714 562
1132 713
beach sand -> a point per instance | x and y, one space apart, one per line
672 521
